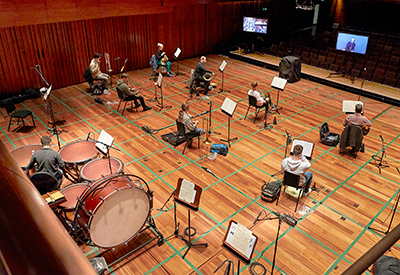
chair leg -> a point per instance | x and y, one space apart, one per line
247 112
9 124
257 110
33 120
183 152
124 108
119 105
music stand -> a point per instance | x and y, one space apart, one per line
159 85
221 69
243 249
279 84
308 148
176 55
228 107
103 145
190 198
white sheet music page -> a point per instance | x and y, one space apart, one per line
187 192
349 106
307 147
228 106
223 65
241 238
278 83
177 52
106 139
159 80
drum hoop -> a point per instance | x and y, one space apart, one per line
22 146
75 162
93 187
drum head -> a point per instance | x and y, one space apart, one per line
95 169
120 217
72 193
78 151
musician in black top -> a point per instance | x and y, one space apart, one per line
199 74
160 56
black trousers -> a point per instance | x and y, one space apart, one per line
136 98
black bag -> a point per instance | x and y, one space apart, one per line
327 137
270 191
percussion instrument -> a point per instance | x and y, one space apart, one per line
113 210
72 193
95 169
365 129
22 155
76 154
164 60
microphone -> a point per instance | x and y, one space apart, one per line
88 136
381 137
126 60
203 113
116 58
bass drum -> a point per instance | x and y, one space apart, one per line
113 210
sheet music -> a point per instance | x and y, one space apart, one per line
187 192
349 106
228 106
223 65
177 52
278 83
251 243
307 147
159 80
46 95
106 139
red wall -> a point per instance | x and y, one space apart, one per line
65 48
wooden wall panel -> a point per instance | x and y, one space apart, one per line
64 49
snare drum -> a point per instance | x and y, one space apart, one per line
97 168
72 193
113 210
76 154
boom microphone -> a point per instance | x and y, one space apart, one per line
116 58
381 137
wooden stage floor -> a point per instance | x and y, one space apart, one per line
332 231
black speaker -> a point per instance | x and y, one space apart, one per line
290 68
387 265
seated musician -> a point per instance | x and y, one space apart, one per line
298 165
199 74
190 126
160 56
47 160
261 102
357 118
96 72
131 94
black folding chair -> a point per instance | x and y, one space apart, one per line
19 114
189 136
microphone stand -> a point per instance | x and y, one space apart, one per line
288 142
170 196
362 84
118 70
108 147
382 163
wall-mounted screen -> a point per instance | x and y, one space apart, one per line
351 43
258 25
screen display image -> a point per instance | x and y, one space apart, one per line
351 43
258 25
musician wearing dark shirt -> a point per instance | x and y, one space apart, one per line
47 160
160 56
199 74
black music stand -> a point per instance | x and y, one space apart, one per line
209 120
229 243
104 144
194 206
117 60
382 163
279 84
221 69
176 55
228 107
159 85
288 142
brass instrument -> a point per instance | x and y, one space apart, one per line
207 140
108 66
123 67
203 150
207 76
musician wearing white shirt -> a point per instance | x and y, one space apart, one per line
261 102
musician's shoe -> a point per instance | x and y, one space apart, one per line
207 94
169 75
197 94
146 108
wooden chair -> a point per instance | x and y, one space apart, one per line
19 114
253 103
187 137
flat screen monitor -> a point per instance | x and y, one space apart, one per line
258 25
351 43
